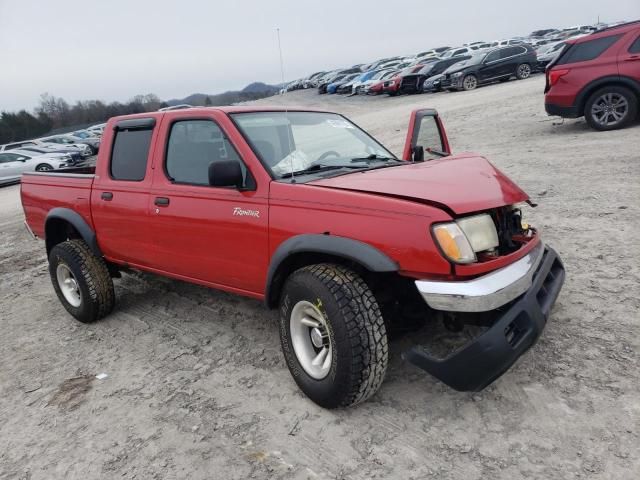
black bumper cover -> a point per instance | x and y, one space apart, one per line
560 111
487 357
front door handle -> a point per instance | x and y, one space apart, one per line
108 196
162 201
634 58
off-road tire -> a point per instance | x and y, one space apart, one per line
631 113
356 329
523 71
92 276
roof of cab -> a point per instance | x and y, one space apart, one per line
224 109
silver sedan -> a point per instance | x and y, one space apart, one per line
15 162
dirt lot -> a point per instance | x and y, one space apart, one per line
197 386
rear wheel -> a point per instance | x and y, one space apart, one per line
610 108
333 336
81 280
469 82
523 71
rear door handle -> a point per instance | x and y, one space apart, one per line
634 58
108 196
162 201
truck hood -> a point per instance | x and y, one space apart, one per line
460 184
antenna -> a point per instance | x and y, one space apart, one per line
281 62
286 111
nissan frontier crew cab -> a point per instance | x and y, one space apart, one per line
306 211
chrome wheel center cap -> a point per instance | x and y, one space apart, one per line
316 337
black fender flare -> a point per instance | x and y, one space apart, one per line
352 250
592 86
76 221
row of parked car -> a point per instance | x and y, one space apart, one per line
48 153
444 68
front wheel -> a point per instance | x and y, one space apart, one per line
610 108
44 167
523 71
469 82
333 336
81 280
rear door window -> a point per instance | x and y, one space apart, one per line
493 56
510 52
635 46
589 50
12 157
129 154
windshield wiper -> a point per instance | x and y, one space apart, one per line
318 167
373 158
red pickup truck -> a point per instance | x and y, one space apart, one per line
306 211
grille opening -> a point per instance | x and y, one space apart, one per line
517 330
545 295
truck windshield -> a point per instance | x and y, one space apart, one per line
310 143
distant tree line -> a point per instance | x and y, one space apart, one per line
54 113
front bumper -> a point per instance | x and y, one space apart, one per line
517 328
431 86
484 293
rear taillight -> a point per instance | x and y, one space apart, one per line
555 75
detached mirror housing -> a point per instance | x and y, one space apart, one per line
225 173
418 154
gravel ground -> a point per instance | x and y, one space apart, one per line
197 386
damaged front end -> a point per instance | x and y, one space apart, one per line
509 288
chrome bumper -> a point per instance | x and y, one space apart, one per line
483 293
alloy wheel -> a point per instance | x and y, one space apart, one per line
609 109
524 71
470 82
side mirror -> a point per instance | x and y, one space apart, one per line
225 173
418 154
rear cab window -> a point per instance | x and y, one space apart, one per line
588 50
130 151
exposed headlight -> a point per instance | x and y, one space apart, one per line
453 243
460 240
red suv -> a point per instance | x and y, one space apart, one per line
598 77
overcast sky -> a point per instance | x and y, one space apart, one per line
112 50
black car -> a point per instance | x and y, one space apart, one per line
433 84
497 64
413 83
322 86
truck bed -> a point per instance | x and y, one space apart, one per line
43 191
